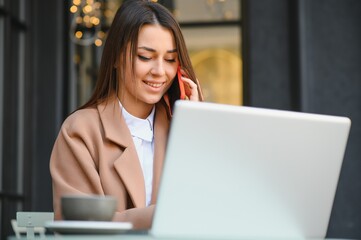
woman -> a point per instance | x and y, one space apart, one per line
115 143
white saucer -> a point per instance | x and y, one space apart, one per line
88 227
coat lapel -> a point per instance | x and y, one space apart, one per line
127 164
161 128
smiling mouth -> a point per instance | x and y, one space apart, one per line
154 85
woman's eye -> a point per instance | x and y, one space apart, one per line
170 60
143 58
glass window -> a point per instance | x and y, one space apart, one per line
216 56
212 30
87 33
206 10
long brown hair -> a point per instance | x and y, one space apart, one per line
130 17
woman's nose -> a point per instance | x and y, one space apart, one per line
158 68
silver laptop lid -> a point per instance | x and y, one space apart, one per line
241 172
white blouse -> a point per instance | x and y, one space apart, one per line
142 133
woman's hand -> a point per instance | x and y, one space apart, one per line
190 87
141 218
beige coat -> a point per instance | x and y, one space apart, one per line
95 154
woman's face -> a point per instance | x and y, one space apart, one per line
156 65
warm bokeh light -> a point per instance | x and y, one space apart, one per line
97 5
94 20
79 20
101 34
87 9
108 13
73 9
86 19
76 2
98 42
89 25
78 34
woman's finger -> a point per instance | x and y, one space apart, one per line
191 89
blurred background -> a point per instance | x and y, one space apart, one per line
299 55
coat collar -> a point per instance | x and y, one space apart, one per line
115 128
127 164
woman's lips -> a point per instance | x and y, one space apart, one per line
154 84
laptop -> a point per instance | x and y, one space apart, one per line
244 172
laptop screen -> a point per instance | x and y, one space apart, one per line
243 172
